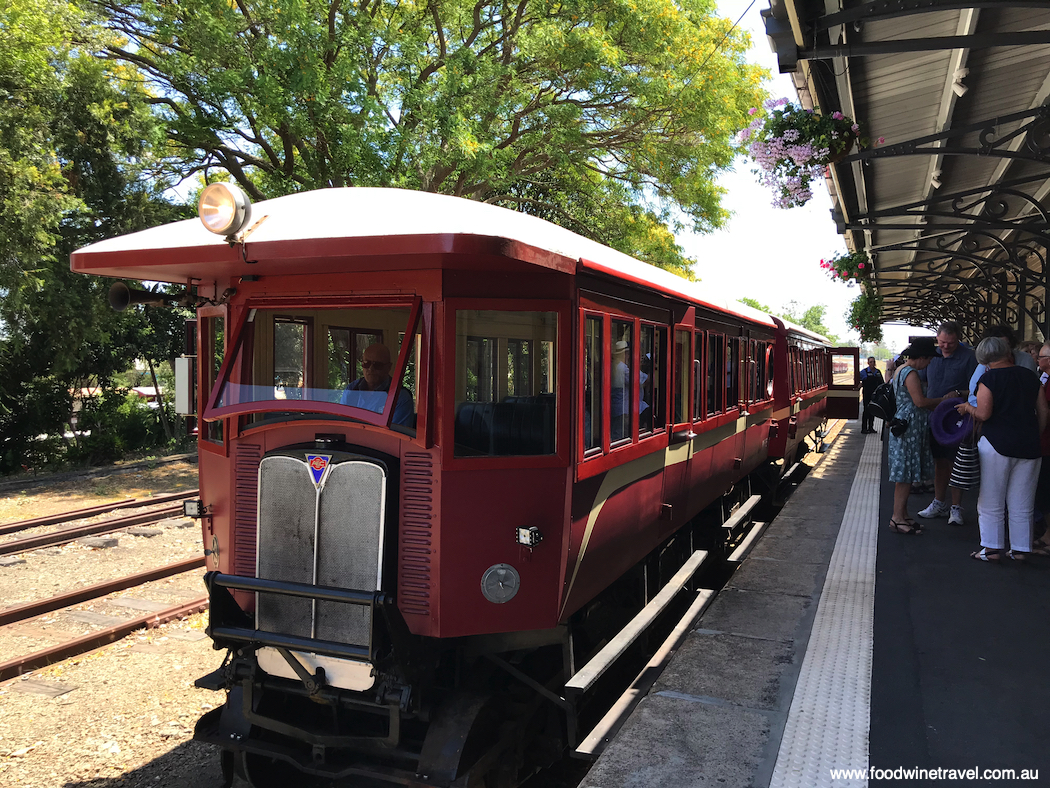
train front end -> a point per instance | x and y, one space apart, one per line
354 392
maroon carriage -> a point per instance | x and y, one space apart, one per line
433 433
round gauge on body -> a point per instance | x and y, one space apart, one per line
500 583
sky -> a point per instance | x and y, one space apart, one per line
772 254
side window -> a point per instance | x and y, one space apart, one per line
715 373
213 348
769 371
290 354
732 372
698 376
650 378
621 381
505 404
592 383
681 377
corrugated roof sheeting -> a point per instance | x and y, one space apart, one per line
907 96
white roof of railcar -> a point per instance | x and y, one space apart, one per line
333 215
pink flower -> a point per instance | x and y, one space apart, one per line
752 111
855 128
860 265
880 140
837 115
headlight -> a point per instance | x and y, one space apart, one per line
224 209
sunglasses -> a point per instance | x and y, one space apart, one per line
376 364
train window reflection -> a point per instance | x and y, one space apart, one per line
715 373
681 377
621 384
651 415
732 373
505 382
592 384
213 342
341 356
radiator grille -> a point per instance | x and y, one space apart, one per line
246 457
328 537
416 534
287 514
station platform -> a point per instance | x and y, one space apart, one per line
839 645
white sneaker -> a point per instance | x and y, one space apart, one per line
935 509
955 516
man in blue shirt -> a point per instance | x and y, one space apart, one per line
376 364
948 374
870 379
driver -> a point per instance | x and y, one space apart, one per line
376 363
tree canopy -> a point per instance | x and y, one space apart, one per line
811 318
610 118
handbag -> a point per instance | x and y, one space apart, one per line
897 425
966 470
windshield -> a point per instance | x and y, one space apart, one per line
290 361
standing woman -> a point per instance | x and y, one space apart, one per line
910 456
1010 404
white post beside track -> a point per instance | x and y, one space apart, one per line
828 724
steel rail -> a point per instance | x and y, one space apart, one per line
92 640
78 514
75 532
17 613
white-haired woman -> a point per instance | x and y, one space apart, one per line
1014 413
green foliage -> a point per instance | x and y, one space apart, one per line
865 315
78 148
113 424
811 318
754 304
612 118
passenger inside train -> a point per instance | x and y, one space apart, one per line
375 365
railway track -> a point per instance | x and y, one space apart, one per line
15 526
21 614
71 533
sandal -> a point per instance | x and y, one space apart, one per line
906 527
1017 555
987 554
1039 548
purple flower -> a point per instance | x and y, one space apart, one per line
752 111
837 115
855 128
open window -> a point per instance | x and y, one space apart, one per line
295 362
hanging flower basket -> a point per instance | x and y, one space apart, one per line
865 315
848 267
792 146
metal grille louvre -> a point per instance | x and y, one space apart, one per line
287 524
349 553
246 458
415 537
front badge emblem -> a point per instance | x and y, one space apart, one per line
318 464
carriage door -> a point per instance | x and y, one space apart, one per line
843 382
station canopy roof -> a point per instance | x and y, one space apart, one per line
950 207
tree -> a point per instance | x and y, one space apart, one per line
610 118
755 304
811 318
76 138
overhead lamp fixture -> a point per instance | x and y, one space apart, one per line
935 179
224 209
958 88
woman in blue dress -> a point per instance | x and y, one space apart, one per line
910 458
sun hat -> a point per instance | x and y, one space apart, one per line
948 426
620 346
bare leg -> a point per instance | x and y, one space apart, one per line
901 490
942 473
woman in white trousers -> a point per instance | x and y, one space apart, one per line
1013 412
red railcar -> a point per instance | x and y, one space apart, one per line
551 413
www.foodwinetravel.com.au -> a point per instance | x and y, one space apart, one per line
917 773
